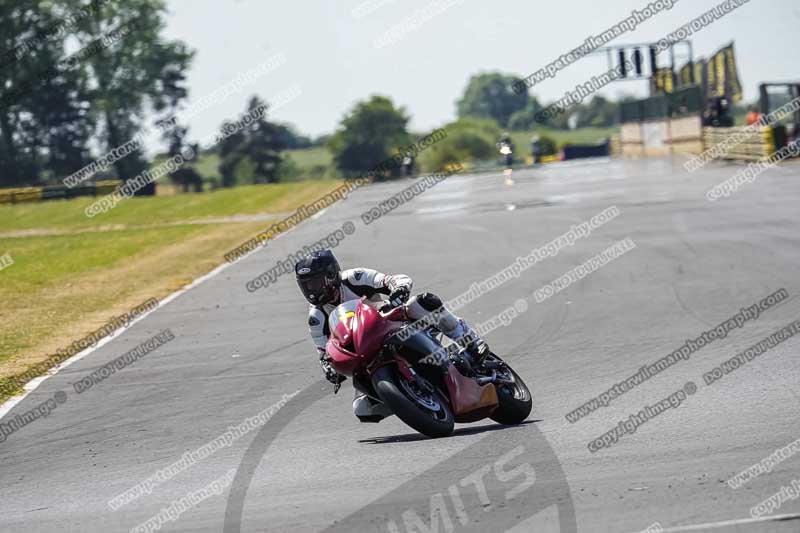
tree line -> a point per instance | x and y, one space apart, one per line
84 77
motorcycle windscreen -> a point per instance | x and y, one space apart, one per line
370 330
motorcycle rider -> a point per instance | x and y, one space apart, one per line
326 286
506 148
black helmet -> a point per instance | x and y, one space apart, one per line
318 277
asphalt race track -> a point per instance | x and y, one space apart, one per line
313 467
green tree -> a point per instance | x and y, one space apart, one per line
55 101
250 151
467 139
489 95
231 153
525 119
264 143
186 176
45 119
292 139
370 134
598 113
141 70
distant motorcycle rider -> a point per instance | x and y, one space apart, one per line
326 286
506 148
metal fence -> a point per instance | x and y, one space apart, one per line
683 102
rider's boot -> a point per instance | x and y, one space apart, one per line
473 346
368 410
428 305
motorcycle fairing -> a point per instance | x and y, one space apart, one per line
470 401
357 334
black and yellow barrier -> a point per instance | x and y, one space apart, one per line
56 192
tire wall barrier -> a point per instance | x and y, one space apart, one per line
688 136
750 145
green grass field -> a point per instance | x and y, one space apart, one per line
69 215
311 157
305 160
63 286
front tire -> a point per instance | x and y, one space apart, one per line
514 397
423 410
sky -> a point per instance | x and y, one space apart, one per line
332 57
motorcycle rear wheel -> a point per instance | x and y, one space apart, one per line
423 410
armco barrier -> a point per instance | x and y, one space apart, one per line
56 192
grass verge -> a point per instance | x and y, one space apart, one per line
62 287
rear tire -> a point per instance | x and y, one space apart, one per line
428 413
515 401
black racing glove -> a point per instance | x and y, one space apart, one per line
399 296
330 374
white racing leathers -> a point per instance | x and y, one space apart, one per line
358 282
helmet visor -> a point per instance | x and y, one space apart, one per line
318 289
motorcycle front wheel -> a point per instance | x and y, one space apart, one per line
513 395
418 403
